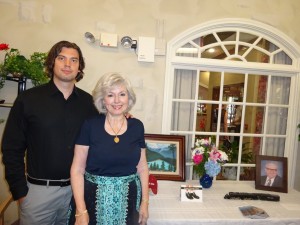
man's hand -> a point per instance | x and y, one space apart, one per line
21 200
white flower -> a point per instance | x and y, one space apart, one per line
200 142
198 151
224 156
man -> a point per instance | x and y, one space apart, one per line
43 123
272 178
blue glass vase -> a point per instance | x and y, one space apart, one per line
206 181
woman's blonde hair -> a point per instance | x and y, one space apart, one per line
105 84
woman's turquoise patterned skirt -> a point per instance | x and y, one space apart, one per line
110 200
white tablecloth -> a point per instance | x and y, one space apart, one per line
165 208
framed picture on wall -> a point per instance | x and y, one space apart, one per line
166 156
271 173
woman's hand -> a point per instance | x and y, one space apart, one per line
82 219
144 215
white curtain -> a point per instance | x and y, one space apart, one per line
277 116
184 88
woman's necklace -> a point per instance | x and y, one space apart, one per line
116 139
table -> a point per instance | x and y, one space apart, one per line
165 208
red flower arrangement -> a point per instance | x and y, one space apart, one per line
4 47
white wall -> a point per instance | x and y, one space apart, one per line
37 25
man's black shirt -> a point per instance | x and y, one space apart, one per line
45 124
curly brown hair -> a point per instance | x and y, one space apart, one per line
54 52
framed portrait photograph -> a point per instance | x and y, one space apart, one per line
166 156
271 173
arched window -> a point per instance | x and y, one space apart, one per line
232 79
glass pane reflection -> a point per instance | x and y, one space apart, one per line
277 120
187 50
227 36
248 38
280 91
266 45
189 146
275 147
206 40
233 89
248 154
257 56
282 58
184 80
228 173
247 173
217 115
257 88
182 116
204 92
254 119
218 53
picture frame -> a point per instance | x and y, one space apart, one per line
166 156
274 167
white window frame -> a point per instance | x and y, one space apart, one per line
202 64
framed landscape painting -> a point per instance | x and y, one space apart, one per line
166 156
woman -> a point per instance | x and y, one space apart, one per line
109 173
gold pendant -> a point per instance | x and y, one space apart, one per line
116 139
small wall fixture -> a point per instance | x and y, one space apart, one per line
89 37
127 42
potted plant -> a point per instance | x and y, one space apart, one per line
17 65
2 76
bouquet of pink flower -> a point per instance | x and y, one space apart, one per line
207 158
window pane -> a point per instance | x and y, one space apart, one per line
257 88
277 120
233 118
184 84
253 122
282 58
248 155
201 123
187 50
248 38
213 53
280 90
198 41
256 55
231 146
204 84
217 117
207 40
242 49
214 85
230 49
233 89
182 116
257 145
247 173
265 44
275 147
227 36
189 146
227 173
